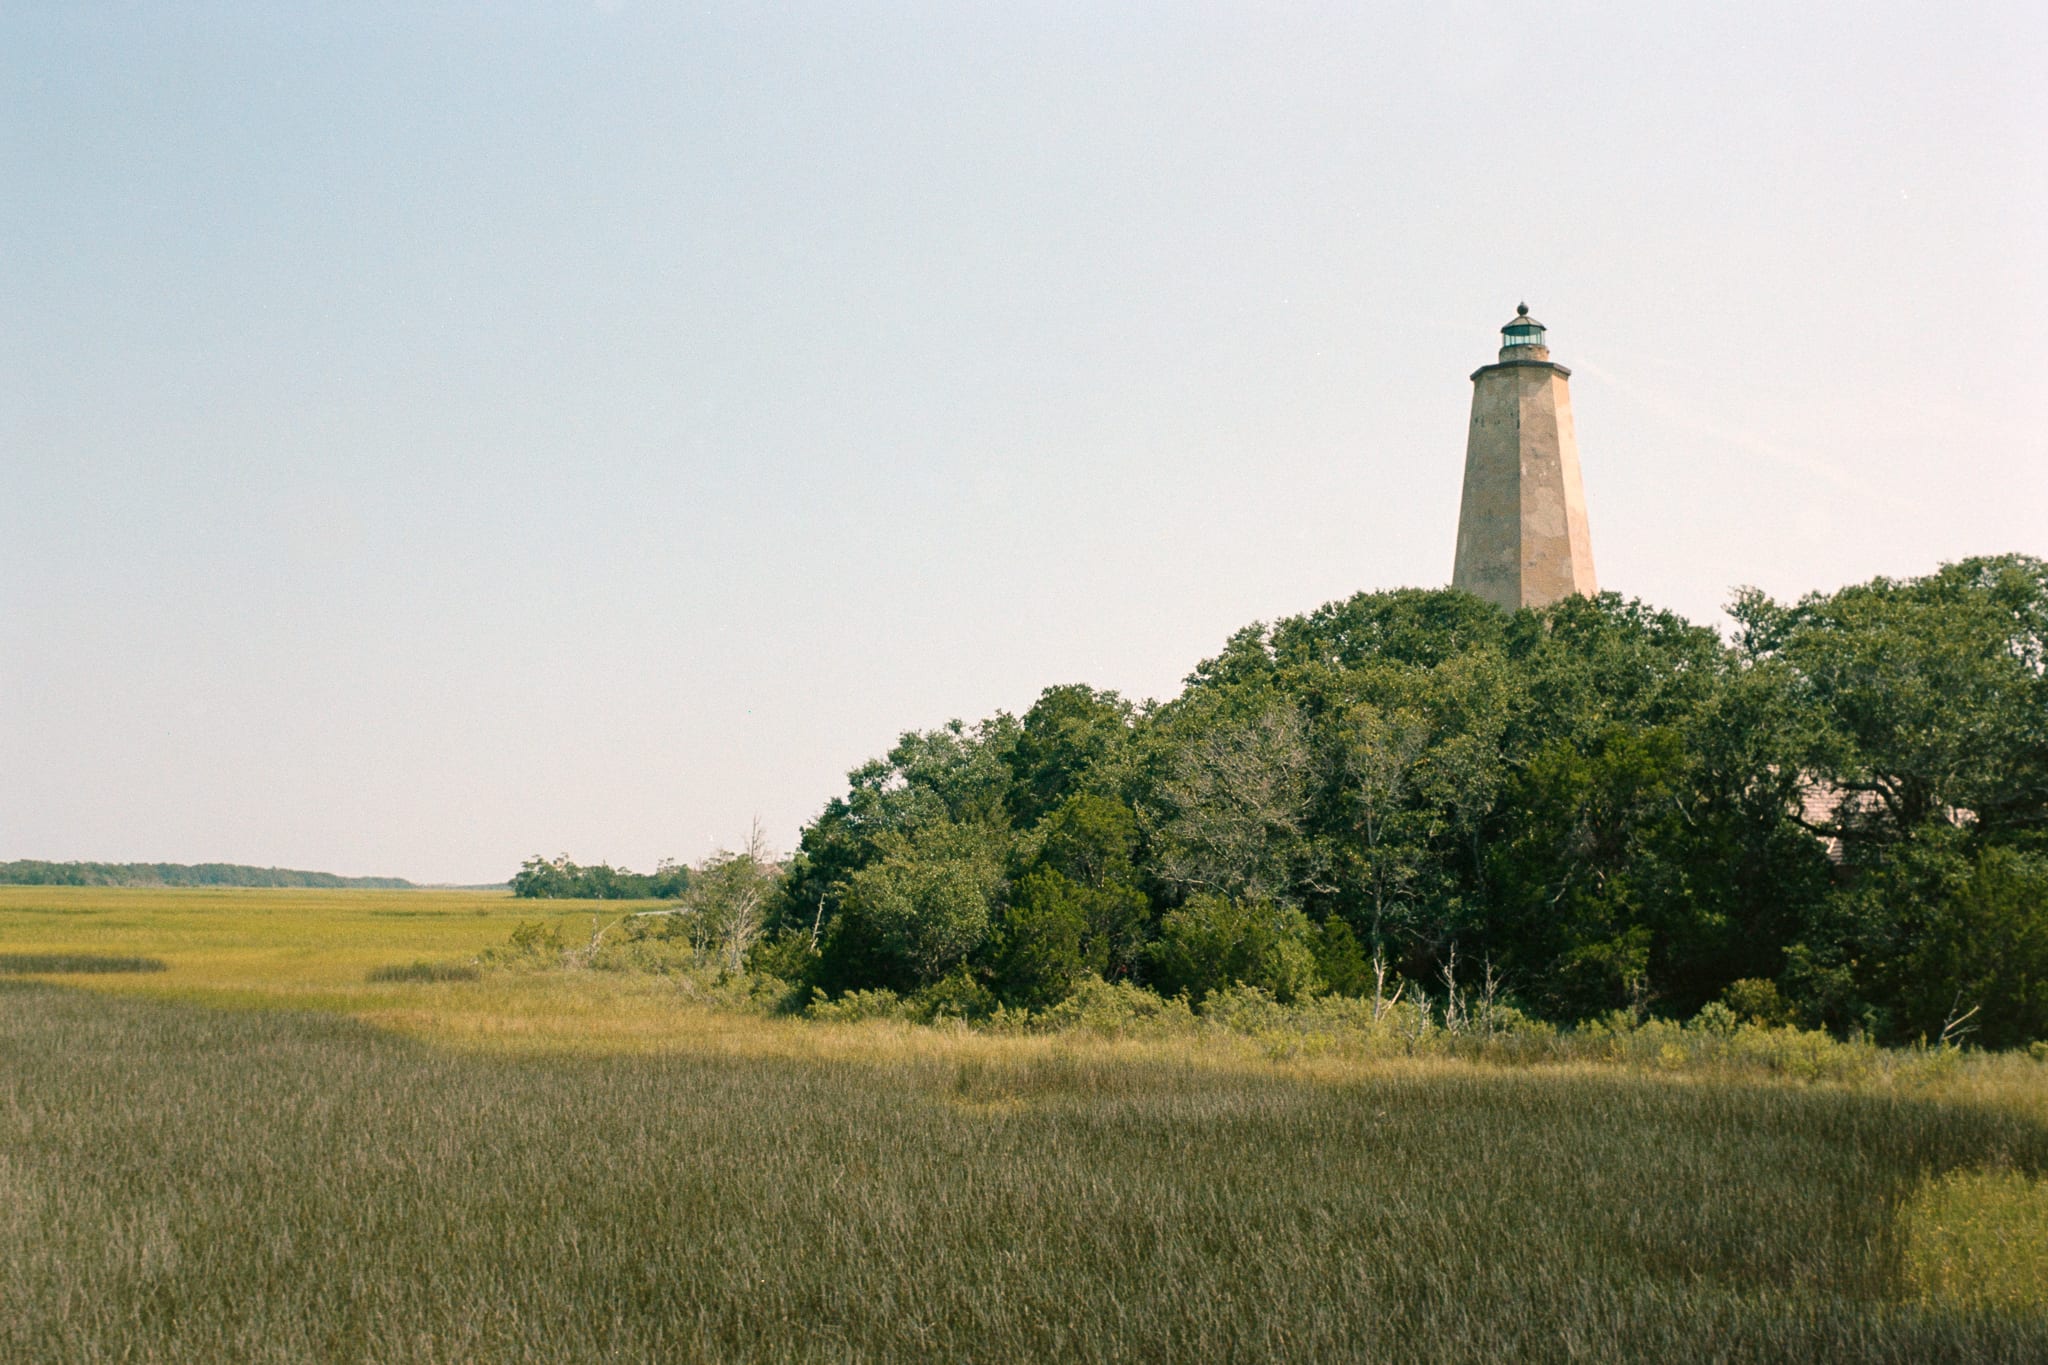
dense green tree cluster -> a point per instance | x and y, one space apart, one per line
34 872
1840 815
562 879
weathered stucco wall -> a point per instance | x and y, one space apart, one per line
1522 534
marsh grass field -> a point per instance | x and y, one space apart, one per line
259 1152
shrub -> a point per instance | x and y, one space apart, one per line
1117 1008
1756 1001
1244 1009
1329 1022
536 943
855 1006
637 950
1498 1020
1986 949
31 964
1340 958
957 996
426 971
789 956
741 992
1715 1017
1214 942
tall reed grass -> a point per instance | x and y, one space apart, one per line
182 1184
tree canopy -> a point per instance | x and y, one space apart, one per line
35 872
563 879
1842 809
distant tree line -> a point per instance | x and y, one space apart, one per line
544 879
1838 816
32 872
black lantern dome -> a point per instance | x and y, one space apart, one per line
1523 331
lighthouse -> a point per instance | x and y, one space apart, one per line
1522 538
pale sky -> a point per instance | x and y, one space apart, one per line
435 435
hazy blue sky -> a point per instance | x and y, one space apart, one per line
432 435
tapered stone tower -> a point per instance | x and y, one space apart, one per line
1522 539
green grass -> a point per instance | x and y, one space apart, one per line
309 1139
179 1183
226 944
1980 1238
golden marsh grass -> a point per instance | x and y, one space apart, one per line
260 1154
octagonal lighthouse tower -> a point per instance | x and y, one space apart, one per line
1522 539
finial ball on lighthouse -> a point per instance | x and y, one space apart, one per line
1522 537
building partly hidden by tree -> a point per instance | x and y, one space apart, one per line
1838 816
